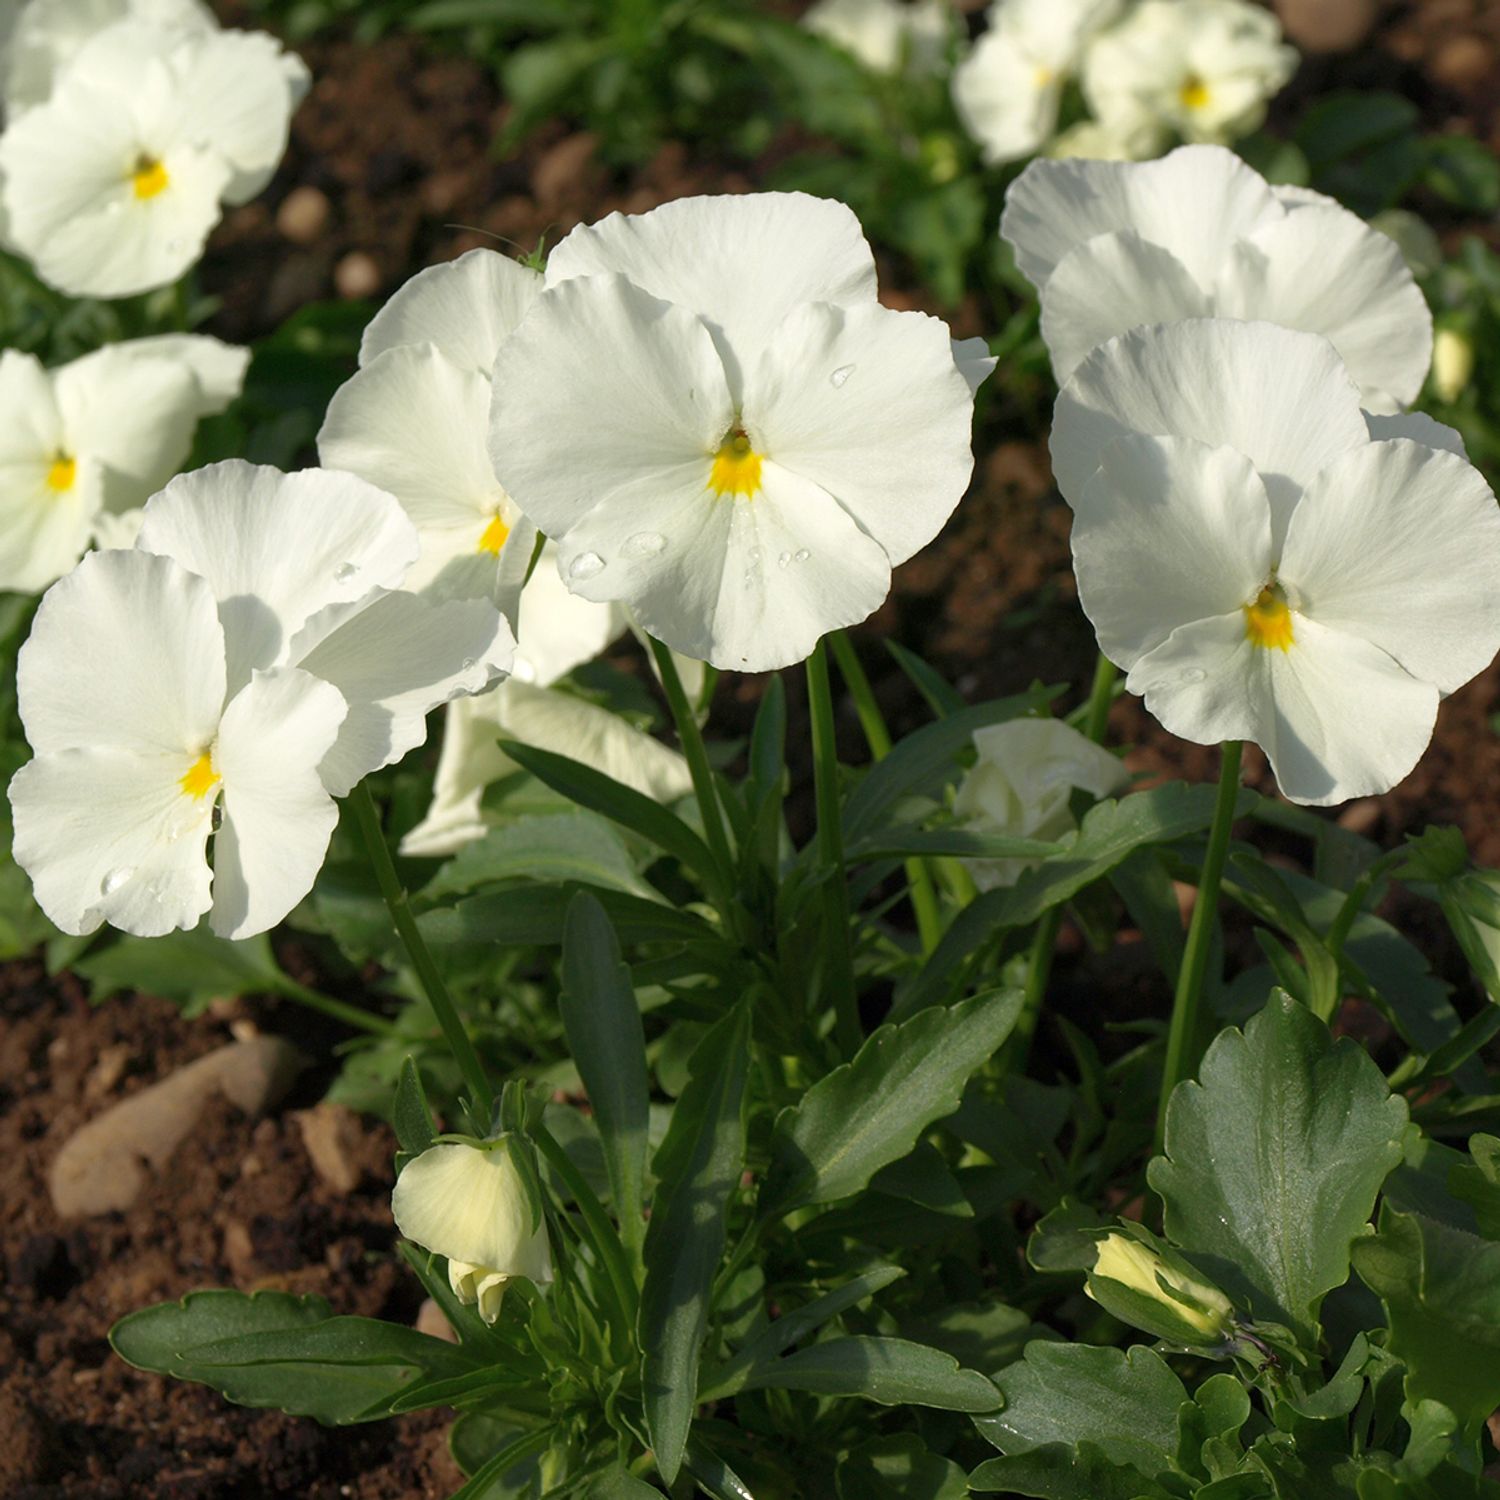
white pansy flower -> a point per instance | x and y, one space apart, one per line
723 429
1008 89
1262 566
469 1203
1021 785
49 34
886 35
415 421
1115 246
83 445
112 185
249 656
1203 70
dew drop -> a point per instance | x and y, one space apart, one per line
1193 674
468 664
115 879
784 559
586 565
840 375
644 544
344 572
802 555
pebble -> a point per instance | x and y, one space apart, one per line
1327 25
303 215
356 276
104 1165
431 1321
330 1134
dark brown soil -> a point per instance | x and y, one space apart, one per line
395 142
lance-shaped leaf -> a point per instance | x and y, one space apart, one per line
1273 1161
1441 1290
603 1025
697 1167
871 1111
273 1349
893 1372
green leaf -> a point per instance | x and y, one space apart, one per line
1273 1161
535 914
603 1027
1061 1473
621 804
1124 1402
272 1349
893 1372
871 1111
1109 833
620 1484
1441 1290
412 1117
548 849
898 1467
192 967
697 1167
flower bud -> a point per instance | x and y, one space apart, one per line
1176 1304
470 1204
1452 364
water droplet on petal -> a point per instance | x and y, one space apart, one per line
115 879
468 664
1191 675
586 565
344 572
784 559
802 555
644 544
840 375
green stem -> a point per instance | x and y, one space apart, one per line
1044 943
835 886
337 1010
696 754
603 1235
924 902
436 991
1187 1004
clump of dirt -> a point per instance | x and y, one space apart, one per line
239 1205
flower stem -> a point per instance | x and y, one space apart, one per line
839 969
1044 943
1187 1004
696 754
416 949
924 902
337 1010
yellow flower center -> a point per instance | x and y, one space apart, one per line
1042 75
149 177
1268 622
736 469
62 474
200 778
1194 93
494 536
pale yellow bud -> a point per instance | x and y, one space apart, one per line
1452 364
1135 1265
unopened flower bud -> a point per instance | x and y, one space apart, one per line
1192 1311
470 1204
1452 364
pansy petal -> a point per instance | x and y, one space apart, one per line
467 307
1194 202
470 759
1324 270
1168 531
277 548
558 630
42 533
235 97
125 653
740 263
395 660
1399 544
1007 100
1109 285
868 405
605 397
414 423
1418 427
133 414
1281 398
219 368
110 835
278 817
975 362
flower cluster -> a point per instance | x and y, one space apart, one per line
1151 72
128 124
887 36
